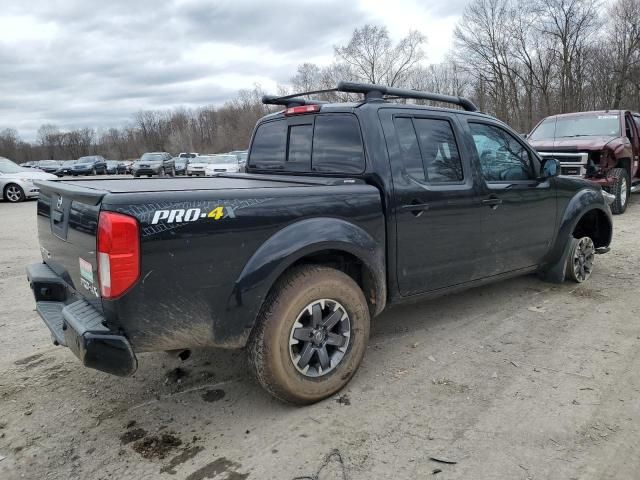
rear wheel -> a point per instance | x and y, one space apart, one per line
621 188
310 336
13 193
580 259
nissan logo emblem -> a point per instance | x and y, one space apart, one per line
59 203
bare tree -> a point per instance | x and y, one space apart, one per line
373 58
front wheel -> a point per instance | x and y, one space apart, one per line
14 193
621 188
310 336
580 259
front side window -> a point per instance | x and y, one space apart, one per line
502 157
337 146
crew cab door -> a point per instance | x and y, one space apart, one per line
435 201
518 209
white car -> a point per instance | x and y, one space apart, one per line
16 182
208 165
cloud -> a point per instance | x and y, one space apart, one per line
75 63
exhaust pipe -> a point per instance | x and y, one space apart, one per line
181 354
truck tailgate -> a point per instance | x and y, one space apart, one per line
67 224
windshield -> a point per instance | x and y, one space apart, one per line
216 159
151 157
7 166
83 160
49 163
600 125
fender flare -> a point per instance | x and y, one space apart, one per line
583 202
287 246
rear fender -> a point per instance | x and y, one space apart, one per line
282 250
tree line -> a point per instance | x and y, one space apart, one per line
519 60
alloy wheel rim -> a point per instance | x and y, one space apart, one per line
583 259
13 193
319 337
623 191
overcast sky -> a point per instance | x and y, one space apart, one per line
77 63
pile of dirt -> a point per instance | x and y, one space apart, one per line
157 446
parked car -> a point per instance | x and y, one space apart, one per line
242 159
208 165
115 168
601 146
181 164
347 208
90 165
188 155
31 164
65 168
16 182
154 163
49 166
128 165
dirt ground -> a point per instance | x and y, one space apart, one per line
518 380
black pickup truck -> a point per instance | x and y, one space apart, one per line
346 208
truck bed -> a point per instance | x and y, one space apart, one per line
201 241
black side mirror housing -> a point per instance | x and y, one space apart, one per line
550 168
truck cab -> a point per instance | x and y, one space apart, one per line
601 146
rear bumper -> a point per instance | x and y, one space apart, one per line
76 324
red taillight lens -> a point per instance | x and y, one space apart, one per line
302 109
118 253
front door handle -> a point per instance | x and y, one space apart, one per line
493 202
415 207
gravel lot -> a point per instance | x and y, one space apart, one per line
518 380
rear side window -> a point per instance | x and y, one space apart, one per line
269 145
429 150
409 147
439 150
337 146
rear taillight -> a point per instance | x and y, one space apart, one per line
301 110
118 253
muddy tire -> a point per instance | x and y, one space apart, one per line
580 260
621 188
310 335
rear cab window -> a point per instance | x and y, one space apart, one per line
320 143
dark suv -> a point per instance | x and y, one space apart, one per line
90 165
154 163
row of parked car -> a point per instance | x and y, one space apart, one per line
149 164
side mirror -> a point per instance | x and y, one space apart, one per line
550 168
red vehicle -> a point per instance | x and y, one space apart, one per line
601 146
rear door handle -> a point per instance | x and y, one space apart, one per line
415 208
492 202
